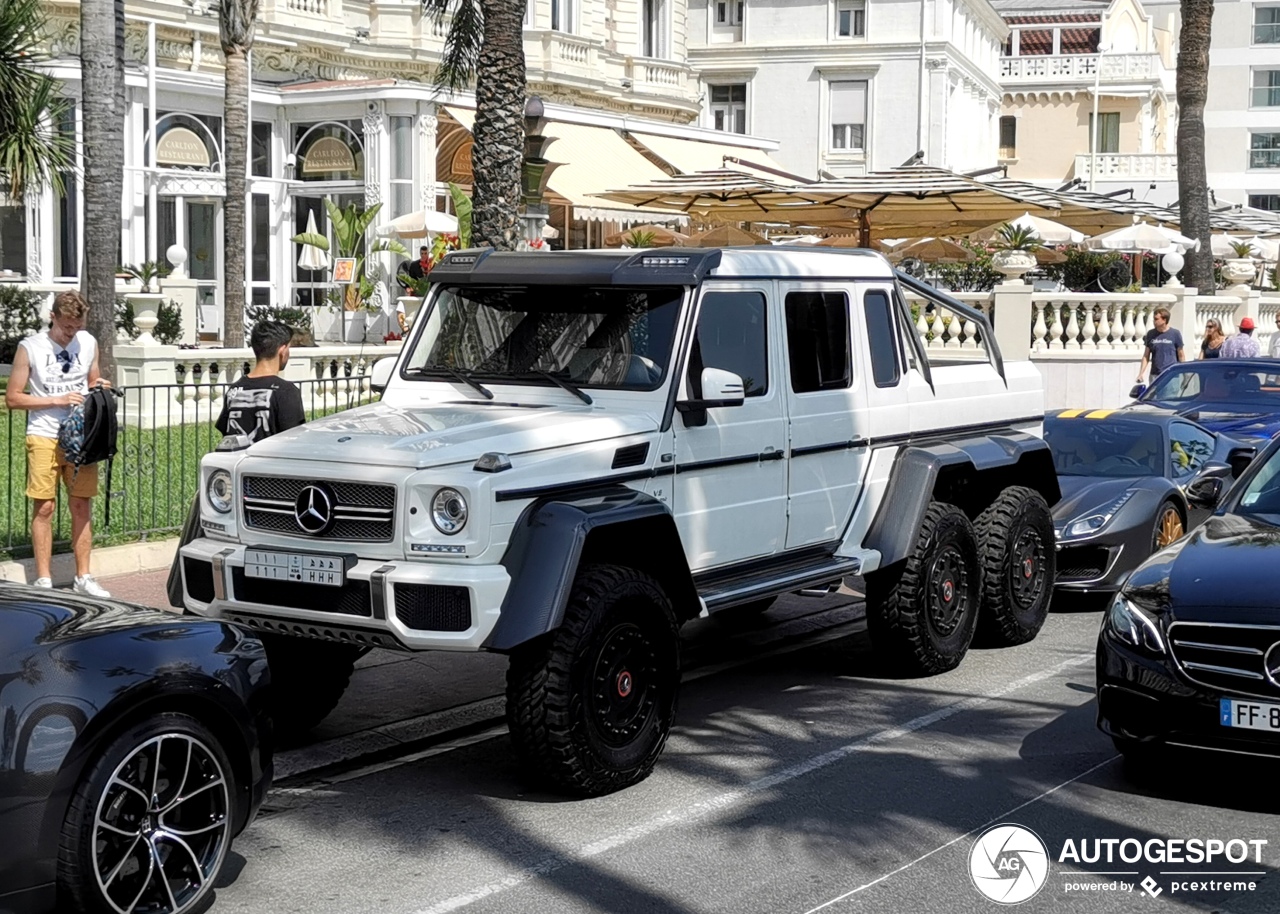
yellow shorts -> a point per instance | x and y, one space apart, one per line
46 462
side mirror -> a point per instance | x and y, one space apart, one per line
1239 459
1205 492
1137 390
380 377
719 388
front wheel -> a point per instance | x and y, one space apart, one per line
590 705
1169 527
1017 543
149 825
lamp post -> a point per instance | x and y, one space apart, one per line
534 169
1096 138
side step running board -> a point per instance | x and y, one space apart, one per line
819 579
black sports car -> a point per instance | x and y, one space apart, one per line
134 745
1189 652
1123 475
1238 396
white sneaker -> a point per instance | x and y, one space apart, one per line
46 583
86 584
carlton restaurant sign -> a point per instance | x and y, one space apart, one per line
328 155
180 147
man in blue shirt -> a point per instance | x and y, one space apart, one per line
1162 346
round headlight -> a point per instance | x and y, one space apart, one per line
218 491
449 511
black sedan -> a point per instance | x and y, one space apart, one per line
1240 397
1189 651
1123 475
134 745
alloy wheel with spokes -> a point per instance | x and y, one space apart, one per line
1169 526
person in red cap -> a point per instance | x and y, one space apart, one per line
1242 345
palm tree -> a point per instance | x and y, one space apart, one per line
486 39
1193 182
236 20
33 152
102 104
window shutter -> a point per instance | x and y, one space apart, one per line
848 102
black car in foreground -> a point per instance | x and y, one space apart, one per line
1123 475
134 745
1189 651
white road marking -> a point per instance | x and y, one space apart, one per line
686 815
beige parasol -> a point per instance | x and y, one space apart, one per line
663 237
934 250
723 236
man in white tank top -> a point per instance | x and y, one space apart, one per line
52 371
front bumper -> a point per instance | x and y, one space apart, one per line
1141 698
407 605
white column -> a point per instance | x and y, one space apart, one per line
427 124
377 168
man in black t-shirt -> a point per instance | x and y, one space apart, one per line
262 403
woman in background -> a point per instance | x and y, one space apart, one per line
1211 347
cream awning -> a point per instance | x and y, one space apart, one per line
688 156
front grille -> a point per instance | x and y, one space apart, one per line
352 599
433 607
1228 657
362 511
199 577
1083 563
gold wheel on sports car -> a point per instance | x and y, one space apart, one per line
1169 527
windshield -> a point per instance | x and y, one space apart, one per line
1223 385
610 337
1260 497
1088 447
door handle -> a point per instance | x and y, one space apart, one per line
771 453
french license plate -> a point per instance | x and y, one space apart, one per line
1249 715
328 570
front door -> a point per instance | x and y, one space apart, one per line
730 488
204 264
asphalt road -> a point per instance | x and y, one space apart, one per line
800 777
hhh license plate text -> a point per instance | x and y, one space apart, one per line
328 570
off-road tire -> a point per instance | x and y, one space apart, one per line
308 678
590 705
1019 565
910 617
185 755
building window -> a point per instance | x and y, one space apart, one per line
13 236
851 18
1266 89
1264 150
848 115
401 166
729 108
261 151
653 29
1265 201
562 15
66 214
729 12
1266 25
1109 141
260 266
1008 137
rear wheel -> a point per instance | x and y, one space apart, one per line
1017 544
923 612
1170 525
308 678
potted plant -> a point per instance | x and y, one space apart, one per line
145 303
639 239
1015 247
415 294
1240 270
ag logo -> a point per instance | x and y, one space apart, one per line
1009 864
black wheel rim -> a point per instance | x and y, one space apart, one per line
160 831
624 685
948 584
1026 571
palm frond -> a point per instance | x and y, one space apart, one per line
461 207
33 152
462 42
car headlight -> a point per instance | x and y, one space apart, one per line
218 491
1134 627
1086 526
449 511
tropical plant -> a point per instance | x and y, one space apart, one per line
350 234
974 276
19 318
485 39
123 320
640 239
102 106
297 319
1010 237
168 329
462 209
236 20
418 287
33 152
1242 249
145 272
1193 182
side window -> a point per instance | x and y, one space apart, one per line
886 369
818 341
1189 448
732 335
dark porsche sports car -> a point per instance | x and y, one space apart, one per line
1189 652
1238 396
134 745
1123 474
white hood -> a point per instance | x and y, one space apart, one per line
418 437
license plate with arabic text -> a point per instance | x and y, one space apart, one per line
327 570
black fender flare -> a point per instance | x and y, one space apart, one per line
553 537
968 472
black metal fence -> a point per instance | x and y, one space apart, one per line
164 431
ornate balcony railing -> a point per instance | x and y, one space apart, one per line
1049 68
1154 166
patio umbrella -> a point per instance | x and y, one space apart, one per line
1047 231
723 236
420 224
1143 236
1220 245
841 241
312 257
1049 255
934 250
663 237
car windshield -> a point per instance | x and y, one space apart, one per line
1225 386
1091 447
1260 497
611 337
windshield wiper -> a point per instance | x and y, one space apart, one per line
561 382
462 376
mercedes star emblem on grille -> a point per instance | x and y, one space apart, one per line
1271 664
313 509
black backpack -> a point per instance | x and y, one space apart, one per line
88 434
